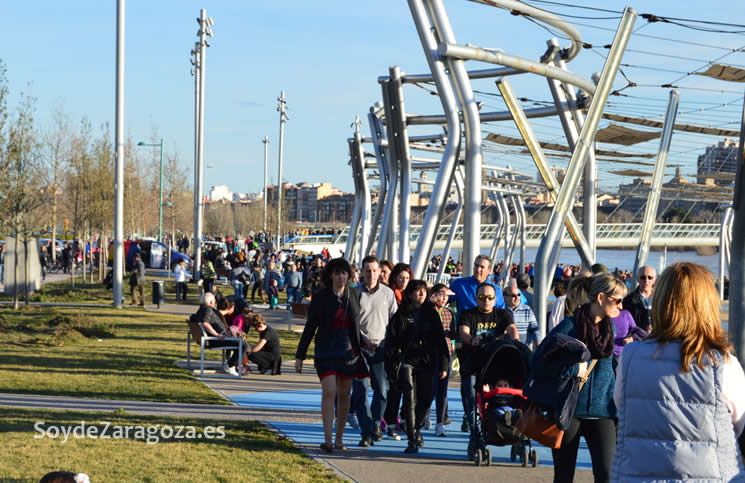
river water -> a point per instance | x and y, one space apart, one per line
622 259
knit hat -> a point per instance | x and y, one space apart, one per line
599 268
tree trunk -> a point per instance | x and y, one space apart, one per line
15 271
26 269
54 228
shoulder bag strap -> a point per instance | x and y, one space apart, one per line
583 380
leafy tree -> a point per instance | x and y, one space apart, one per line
20 183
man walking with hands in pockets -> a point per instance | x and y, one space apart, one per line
377 306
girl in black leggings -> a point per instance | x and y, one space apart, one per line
414 344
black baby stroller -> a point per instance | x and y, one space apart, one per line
509 361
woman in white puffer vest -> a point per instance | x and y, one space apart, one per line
680 394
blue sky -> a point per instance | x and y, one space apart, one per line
326 56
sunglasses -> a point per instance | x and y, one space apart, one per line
614 299
512 295
646 277
486 297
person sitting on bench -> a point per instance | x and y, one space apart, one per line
266 353
212 317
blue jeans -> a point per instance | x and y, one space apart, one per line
180 291
293 295
368 415
468 395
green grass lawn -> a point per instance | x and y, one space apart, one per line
248 451
97 352
105 353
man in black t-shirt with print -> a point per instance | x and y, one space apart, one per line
479 326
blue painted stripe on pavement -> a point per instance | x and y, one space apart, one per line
451 447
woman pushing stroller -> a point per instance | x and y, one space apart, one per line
414 343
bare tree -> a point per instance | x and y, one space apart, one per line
175 195
56 153
19 183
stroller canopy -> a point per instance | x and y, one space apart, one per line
504 359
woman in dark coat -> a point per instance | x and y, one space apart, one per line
334 320
595 415
414 344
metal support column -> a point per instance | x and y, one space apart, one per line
351 249
376 131
458 182
195 73
564 94
266 171
390 212
119 164
472 130
509 242
737 265
440 191
723 248
653 199
362 190
204 30
584 144
280 187
396 116
499 231
549 179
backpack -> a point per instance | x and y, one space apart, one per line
549 385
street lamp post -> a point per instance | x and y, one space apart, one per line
160 198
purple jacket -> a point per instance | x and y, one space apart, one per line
624 324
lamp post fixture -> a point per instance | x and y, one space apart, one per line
160 198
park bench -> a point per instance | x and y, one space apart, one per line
223 274
300 310
197 332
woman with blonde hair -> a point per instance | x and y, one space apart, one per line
595 411
680 394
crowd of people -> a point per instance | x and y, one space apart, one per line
378 329
397 336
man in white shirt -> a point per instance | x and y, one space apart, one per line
180 272
377 306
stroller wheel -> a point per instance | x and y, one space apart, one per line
524 455
487 457
477 457
534 458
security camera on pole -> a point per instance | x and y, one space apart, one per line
282 120
204 31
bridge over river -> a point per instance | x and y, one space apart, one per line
609 235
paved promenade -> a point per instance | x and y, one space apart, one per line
290 404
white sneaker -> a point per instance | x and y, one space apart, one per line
232 371
427 424
440 430
352 420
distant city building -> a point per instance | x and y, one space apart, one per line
220 193
303 202
718 164
336 208
633 196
